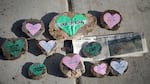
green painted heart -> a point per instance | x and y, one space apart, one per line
14 48
71 25
37 69
93 48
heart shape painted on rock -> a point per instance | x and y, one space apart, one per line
100 68
37 69
120 67
71 25
93 48
112 20
33 29
47 46
71 62
14 48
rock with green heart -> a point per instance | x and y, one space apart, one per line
70 25
33 28
110 19
14 48
91 49
37 71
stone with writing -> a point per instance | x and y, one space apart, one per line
71 25
72 66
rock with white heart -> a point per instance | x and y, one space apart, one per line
37 71
110 19
118 66
47 46
71 25
100 69
13 48
72 66
91 49
34 28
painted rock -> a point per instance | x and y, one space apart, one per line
37 71
70 25
91 49
13 48
33 28
110 19
72 66
100 69
118 66
47 46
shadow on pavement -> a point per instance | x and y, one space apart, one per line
88 69
33 48
97 14
53 65
47 19
17 29
24 71
2 40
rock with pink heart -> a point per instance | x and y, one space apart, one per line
47 46
111 19
33 28
72 66
100 69
118 66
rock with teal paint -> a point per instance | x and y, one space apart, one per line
14 48
37 71
91 49
70 25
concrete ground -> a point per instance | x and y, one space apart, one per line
13 12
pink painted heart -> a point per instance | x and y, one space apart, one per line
71 62
101 68
33 29
111 20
